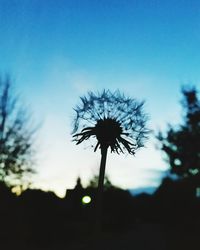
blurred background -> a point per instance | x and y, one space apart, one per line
54 52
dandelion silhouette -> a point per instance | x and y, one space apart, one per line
112 121
118 122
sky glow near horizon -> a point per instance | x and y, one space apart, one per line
56 51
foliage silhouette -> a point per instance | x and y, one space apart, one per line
182 144
94 182
116 122
40 220
16 137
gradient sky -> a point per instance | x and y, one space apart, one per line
55 51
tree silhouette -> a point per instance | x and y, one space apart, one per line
93 183
114 121
15 137
182 144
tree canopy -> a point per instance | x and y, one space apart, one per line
16 137
182 143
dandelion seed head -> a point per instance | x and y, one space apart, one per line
113 120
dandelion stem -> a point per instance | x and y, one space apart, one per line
99 201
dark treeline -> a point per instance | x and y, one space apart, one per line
41 219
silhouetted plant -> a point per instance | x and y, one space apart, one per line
182 143
15 137
114 121
93 183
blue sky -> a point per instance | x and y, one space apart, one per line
56 51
